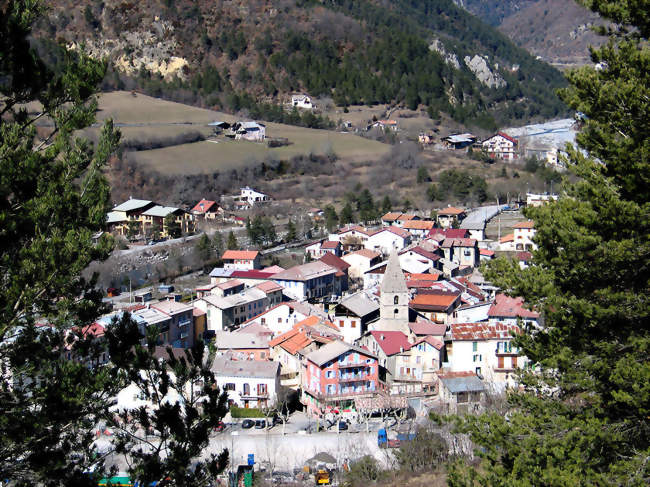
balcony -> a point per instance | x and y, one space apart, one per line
354 378
337 396
184 322
348 365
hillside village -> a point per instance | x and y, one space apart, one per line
376 319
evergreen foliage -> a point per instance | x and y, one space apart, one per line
55 388
583 416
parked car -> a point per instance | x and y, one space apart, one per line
220 426
247 424
343 426
260 424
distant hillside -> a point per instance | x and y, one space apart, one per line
556 30
234 54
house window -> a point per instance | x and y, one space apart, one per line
263 354
341 323
247 389
477 358
474 346
353 324
279 320
229 386
263 321
261 389
478 371
462 397
396 300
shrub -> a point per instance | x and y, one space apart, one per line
237 412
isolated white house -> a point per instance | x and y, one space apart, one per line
501 145
301 101
252 196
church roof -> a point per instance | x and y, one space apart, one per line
393 281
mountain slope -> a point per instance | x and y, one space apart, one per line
231 54
556 30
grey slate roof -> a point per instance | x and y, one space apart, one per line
131 204
478 218
221 272
261 369
393 281
246 296
161 211
361 304
237 340
463 384
333 350
305 272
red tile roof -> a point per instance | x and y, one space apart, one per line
420 251
351 228
396 230
391 342
269 286
418 225
427 327
508 238
524 256
482 331
332 260
229 284
391 216
423 277
450 211
434 302
527 224
434 342
486 252
252 274
507 137
204 206
458 242
329 244
450 232
507 307
240 254
405 217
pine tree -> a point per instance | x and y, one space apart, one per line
386 204
583 416
291 231
232 243
53 199
217 243
347 214
204 248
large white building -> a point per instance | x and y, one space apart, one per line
249 383
502 146
388 239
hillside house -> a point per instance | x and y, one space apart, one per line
447 216
459 141
360 261
523 233
419 229
241 260
251 131
501 146
486 349
462 251
509 311
242 346
438 306
207 209
252 197
539 199
461 392
228 312
353 314
336 374
428 260
156 216
301 101
117 220
248 383
388 239
308 281
181 322
340 284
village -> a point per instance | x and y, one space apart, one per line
389 320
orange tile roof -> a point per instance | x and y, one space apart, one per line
508 238
391 216
508 307
423 277
406 217
434 301
269 286
204 206
240 254
450 211
418 225
527 224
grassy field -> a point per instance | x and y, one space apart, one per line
160 118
